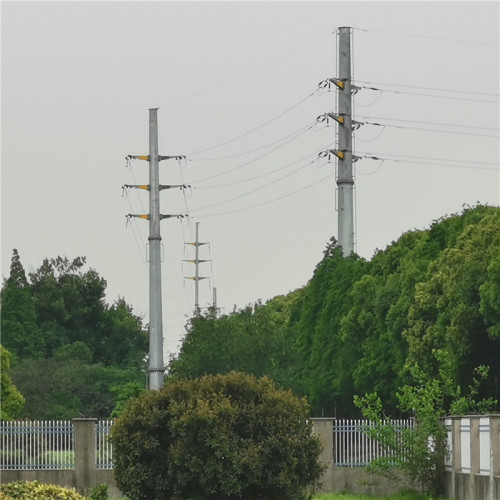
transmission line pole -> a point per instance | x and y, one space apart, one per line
156 365
196 276
345 179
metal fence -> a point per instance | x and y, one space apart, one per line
49 445
353 446
31 445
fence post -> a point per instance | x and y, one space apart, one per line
456 447
494 453
323 430
85 439
474 455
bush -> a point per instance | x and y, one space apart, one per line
33 490
216 438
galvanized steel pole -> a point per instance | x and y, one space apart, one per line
345 179
156 367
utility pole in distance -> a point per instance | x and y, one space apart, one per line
345 179
156 365
196 276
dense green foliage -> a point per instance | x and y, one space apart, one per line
11 399
216 437
34 490
359 326
71 351
405 495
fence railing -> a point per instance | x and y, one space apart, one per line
30 445
104 448
49 445
353 446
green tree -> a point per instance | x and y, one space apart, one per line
64 387
72 350
452 308
356 324
324 371
20 333
12 400
420 452
252 340
217 437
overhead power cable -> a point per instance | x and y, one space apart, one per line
243 164
426 95
420 162
265 174
459 40
254 129
455 91
255 189
427 123
434 159
329 176
297 133
454 132
241 75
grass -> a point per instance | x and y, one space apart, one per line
397 496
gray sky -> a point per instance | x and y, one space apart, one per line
77 82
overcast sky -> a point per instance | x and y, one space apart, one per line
236 84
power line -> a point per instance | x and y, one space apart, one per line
427 95
431 130
255 189
459 40
297 133
254 129
270 201
428 123
241 75
429 88
434 159
243 164
264 174
420 162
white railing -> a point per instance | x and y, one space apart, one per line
28 445
353 447
104 448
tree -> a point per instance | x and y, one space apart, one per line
12 400
71 351
420 452
213 438
356 324
64 386
454 305
20 334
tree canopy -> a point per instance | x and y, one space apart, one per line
12 399
358 326
71 351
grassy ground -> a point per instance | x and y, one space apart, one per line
348 496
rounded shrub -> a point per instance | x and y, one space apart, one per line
217 437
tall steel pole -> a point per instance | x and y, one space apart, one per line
156 367
345 179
